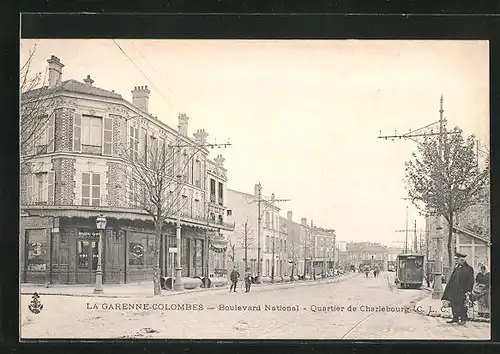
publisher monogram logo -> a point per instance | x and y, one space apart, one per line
35 305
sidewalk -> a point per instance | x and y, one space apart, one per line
433 308
145 289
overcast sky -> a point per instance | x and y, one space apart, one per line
303 116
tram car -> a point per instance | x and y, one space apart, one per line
409 271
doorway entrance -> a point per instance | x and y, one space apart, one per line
87 252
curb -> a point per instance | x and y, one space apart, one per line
282 285
438 314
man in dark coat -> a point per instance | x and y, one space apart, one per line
234 279
460 282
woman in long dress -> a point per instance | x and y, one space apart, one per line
482 292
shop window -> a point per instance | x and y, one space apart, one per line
36 250
91 188
141 250
135 254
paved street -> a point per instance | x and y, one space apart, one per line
295 311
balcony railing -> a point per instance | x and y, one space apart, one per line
229 225
212 198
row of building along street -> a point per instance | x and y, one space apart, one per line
71 174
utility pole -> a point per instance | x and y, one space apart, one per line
415 247
274 200
406 231
313 248
246 246
305 249
438 285
259 226
438 271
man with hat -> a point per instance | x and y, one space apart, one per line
460 282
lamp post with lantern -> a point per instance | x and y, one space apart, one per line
101 226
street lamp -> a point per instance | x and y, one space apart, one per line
101 226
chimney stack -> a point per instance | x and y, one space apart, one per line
219 160
201 136
88 80
140 98
55 71
257 190
303 221
289 215
183 124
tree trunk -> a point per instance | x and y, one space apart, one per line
450 244
156 265
291 274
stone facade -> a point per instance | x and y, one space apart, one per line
64 129
64 183
116 183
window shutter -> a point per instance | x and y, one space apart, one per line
77 132
107 145
29 188
24 187
51 136
50 187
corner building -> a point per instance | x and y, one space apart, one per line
73 173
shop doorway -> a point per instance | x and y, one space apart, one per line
87 252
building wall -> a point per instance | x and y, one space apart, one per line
242 211
63 141
363 252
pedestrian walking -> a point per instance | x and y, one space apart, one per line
367 272
458 285
234 279
248 280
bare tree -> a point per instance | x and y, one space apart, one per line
447 183
36 115
156 185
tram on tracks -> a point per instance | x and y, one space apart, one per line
409 271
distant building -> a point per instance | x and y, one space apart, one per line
295 243
393 253
368 253
324 248
243 208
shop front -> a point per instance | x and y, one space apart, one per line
68 253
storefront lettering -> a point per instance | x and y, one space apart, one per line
88 234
